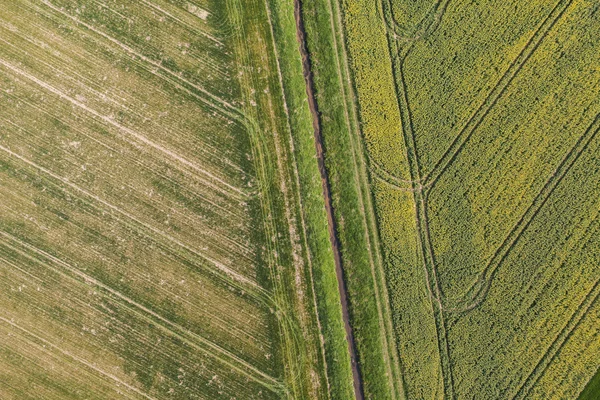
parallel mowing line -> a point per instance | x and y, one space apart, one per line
559 342
215 101
174 18
486 276
499 89
240 194
80 360
221 267
211 349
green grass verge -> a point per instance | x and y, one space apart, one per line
312 204
592 389
352 201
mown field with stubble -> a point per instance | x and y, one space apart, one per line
152 243
475 128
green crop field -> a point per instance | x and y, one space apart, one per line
476 125
299 199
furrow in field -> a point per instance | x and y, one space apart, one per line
496 93
96 325
218 266
211 349
244 332
128 155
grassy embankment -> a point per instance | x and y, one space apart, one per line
352 199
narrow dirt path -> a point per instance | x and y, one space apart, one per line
308 78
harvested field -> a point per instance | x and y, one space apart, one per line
152 243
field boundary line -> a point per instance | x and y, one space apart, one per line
388 337
484 281
496 93
326 188
174 329
298 198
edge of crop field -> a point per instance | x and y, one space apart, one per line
321 270
591 390
352 202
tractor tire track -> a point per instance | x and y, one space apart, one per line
419 199
87 364
478 291
559 342
220 270
496 93
427 25
171 328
